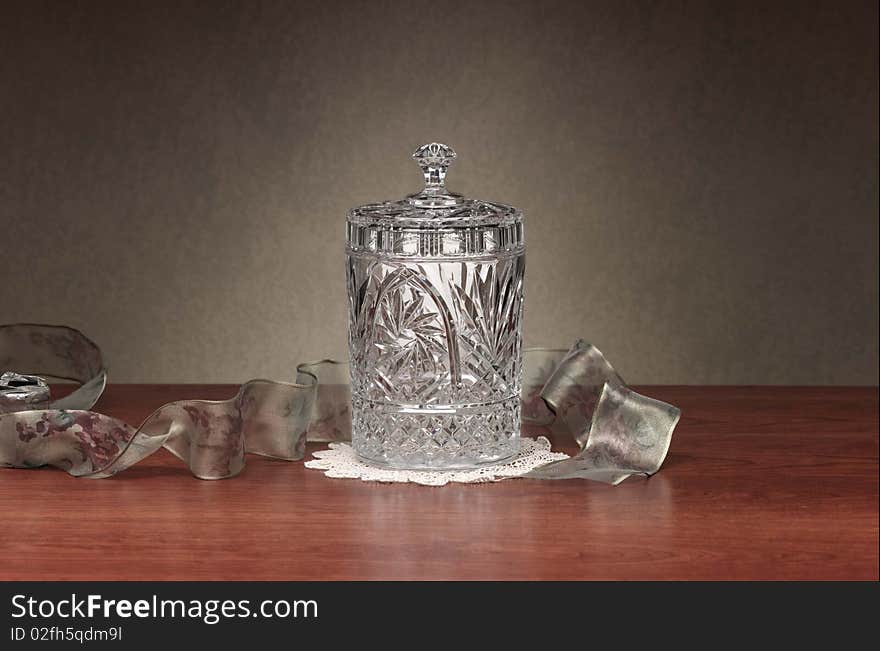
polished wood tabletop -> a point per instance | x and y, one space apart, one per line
760 483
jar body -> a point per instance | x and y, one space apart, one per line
436 356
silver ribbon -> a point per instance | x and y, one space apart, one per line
618 431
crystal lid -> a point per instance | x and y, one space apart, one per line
434 207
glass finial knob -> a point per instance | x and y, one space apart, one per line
434 159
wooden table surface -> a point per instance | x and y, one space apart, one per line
760 483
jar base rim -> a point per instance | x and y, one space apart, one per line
464 465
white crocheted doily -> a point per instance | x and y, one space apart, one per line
340 461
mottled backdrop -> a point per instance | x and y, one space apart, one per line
699 178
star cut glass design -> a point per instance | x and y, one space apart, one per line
435 285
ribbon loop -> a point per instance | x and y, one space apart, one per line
619 432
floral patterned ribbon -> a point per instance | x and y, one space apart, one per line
619 432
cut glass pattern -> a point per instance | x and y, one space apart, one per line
435 328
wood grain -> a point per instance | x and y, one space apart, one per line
760 483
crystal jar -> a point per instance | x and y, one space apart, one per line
435 287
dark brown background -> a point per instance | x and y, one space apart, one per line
699 179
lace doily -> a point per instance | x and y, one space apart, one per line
340 461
